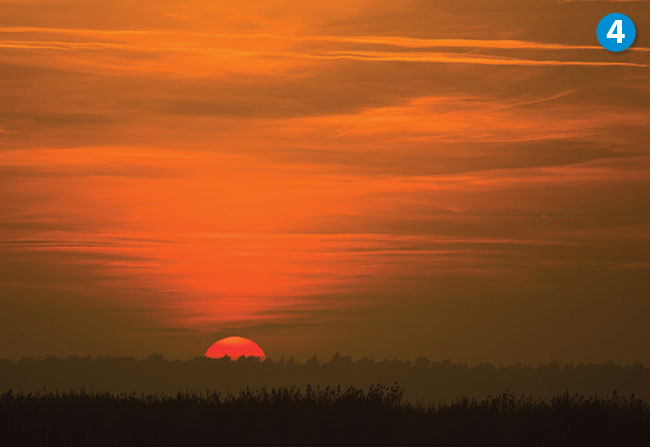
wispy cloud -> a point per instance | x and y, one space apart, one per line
451 58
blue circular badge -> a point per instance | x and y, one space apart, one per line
616 32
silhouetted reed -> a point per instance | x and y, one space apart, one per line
377 415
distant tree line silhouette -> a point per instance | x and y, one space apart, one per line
378 415
422 379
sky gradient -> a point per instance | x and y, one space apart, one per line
463 180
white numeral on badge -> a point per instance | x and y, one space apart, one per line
618 28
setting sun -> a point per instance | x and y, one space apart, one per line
235 347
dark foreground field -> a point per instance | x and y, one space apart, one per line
376 416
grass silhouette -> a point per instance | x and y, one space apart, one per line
377 415
423 379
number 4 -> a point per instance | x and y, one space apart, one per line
618 27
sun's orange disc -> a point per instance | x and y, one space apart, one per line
234 347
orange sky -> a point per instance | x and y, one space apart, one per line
465 180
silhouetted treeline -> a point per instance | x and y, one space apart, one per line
330 416
422 379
